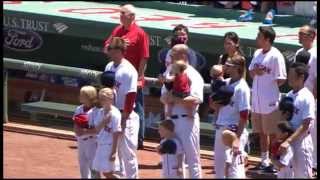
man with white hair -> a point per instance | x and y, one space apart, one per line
187 128
137 53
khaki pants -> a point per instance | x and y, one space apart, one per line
265 123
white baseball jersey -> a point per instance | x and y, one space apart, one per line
86 146
312 64
286 159
304 106
237 163
101 161
187 130
126 78
265 90
170 161
230 114
196 88
105 136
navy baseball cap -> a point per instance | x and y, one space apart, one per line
108 79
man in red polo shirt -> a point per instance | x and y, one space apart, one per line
137 52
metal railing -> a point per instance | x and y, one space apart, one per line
36 67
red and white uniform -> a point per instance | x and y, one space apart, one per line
304 105
265 90
101 161
187 130
87 144
309 83
286 159
230 115
237 163
170 161
126 78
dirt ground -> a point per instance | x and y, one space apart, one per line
33 156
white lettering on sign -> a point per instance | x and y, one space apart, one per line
23 23
21 40
91 48
155 40
31 66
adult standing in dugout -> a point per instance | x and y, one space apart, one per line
268 71
137 53
188 129
307 35
126 89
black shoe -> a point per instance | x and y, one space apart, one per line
270 169
258 167
314 172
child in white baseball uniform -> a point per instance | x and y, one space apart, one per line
86 143
235 160
170 150
301 121
283 162
108 130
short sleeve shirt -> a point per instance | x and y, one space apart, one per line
105 136
304 106
170 161
265 90
240 101
126 78
138 43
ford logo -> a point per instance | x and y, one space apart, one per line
21 40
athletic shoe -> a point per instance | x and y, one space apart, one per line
269 17
258 167
314 172
247 16
270 169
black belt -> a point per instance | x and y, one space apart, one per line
176 116
90 137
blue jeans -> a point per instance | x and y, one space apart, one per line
139 109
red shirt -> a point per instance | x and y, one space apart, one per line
181 83
138 43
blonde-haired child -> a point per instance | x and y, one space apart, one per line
109 130
86 142
235 160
